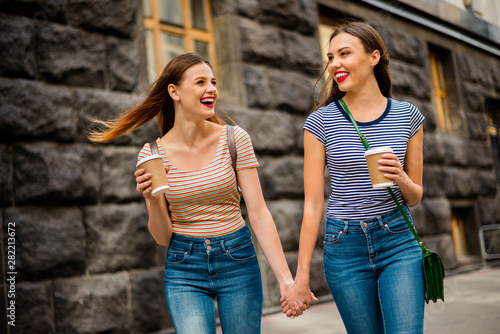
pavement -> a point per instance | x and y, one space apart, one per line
472 305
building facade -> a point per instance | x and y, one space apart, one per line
76 253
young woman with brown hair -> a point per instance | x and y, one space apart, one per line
210 252
373 264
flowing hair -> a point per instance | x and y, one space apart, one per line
371 41
158 104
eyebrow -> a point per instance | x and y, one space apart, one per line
340 49
203 77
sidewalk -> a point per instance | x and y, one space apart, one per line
472 306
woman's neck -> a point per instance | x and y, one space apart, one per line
189 133
365 101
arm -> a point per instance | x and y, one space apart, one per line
314 185
264 227
159 222
408 179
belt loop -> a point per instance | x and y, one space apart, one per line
189 248
223 246
346 227
380 222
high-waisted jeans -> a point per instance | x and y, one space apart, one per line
374 271
199 270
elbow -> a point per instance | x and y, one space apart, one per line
413 204
162 242
161 238
314 206
415 200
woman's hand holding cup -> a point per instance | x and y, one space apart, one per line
143 180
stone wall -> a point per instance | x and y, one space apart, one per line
85 262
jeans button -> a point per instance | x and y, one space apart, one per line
207 241
209 247
364 225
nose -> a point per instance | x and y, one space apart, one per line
211 88
334 63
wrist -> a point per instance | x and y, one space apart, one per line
285 280
302 280
154 201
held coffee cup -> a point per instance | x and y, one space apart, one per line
154 164
376 175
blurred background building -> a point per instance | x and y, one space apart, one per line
84 260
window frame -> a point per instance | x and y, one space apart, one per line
458 230
186 31
439 91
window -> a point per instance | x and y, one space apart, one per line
459 234
329 19
173 27
493 115
440 98
465 233
325 29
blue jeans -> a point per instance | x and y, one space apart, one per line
374 271
199 270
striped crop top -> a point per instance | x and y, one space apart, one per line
206 202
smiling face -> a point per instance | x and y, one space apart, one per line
196 93
349 63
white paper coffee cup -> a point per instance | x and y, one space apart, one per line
377 176
159 181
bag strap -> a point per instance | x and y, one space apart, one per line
367 146
232 151
231 144
154 147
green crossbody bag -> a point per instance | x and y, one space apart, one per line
432 264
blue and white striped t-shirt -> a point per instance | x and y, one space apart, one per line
353 197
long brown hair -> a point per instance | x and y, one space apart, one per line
371 41
158 103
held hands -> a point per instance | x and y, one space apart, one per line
296 299
144 183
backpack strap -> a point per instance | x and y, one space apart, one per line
231 144
232 151
154 147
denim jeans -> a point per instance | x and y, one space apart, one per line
225 268
374 271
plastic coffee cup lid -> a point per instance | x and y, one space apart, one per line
160 190
151 157
377 150
383 185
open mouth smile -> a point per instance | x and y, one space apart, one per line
208 102
341 76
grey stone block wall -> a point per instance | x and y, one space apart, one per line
85 261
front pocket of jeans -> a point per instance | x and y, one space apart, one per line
175 256
242 252
332 237
398 226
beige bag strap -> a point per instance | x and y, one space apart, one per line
231 144
154 147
